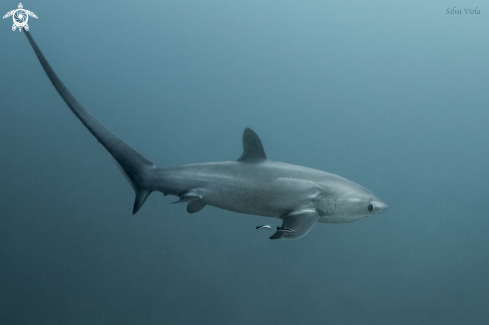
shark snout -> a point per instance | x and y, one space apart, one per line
380 206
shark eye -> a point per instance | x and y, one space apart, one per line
370 208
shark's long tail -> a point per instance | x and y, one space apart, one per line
138 170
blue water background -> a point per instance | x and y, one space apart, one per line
391 95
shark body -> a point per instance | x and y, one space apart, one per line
252 184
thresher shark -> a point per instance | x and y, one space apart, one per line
252 184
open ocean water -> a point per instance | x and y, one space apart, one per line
391 95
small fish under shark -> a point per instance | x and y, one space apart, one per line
252 184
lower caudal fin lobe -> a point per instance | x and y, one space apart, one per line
138 170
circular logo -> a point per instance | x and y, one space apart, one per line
20 18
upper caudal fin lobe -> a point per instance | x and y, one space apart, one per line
139 171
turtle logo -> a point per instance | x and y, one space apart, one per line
20 17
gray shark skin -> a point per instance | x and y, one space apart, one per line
300 196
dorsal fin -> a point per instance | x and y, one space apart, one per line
252 147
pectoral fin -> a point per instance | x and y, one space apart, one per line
296 224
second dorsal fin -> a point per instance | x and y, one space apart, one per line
252 147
